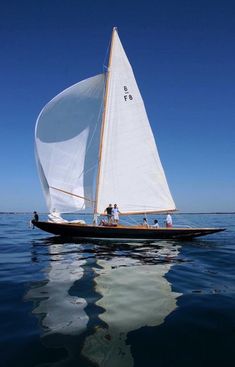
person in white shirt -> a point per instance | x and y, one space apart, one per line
155 224
115 213
168 221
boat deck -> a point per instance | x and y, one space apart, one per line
120 231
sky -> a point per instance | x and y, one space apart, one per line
182 53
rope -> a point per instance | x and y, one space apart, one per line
132 221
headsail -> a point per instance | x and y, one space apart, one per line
67 138
130 171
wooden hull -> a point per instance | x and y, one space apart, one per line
133 233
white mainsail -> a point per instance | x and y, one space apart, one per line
130 172
67 138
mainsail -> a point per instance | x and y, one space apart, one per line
92 150
130 171
67 143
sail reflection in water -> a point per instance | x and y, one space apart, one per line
126 289
62 313
134 293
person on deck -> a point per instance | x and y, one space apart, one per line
109 212
145 222
35 219
115 213
168 221
155 224
35 216
103 222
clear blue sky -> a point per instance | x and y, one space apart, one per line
183 56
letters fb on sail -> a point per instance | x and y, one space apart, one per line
67 137
131 173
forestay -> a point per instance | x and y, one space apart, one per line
67 142
131 173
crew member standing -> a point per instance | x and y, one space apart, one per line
35 216
169 223
34 219
109 212
115 213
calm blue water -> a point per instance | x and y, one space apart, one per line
117 305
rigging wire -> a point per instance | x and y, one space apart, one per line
105 67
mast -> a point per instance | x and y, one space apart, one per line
103 120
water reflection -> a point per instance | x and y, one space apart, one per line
60 312
134 294
126 289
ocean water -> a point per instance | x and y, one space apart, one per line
84 303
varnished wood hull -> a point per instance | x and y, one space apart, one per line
133 233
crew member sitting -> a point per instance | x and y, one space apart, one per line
145 222
155 224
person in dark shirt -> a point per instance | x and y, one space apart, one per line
35 216
34 219
109 212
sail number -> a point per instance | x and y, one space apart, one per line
127 95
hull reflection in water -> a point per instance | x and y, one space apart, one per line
135 294
60 312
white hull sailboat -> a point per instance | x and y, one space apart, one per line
95 146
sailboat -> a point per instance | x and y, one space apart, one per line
94 146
